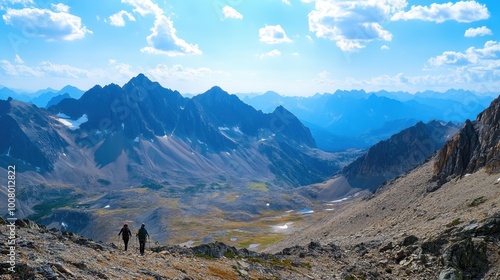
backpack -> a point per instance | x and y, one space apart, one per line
126 233
142 234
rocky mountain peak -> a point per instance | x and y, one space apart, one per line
476 146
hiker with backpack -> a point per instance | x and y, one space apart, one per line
143 235
126 233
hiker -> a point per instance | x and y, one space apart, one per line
142 234
126 233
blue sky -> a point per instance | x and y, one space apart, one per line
294 47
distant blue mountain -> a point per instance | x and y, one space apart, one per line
44 97
7 92
356 119
56 99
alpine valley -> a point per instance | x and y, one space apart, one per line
407 194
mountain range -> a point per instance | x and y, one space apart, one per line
144 152
357 119
41 98
438 220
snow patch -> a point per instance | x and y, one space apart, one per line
467 175
340 200
72 124
8 152
223 128
237 129
498 180
136 140
253 246
106 207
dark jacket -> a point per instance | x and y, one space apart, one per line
125 232
142 233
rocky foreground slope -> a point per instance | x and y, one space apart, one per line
374 239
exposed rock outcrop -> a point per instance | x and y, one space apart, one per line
475 146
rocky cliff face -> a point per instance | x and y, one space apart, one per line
397 155
476 146
30 137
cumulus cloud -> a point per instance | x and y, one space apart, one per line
353 24
480 31
273 34
230 12
463 11
475 66
51 25
163 38
272 53
118 19
487 57
384 47
287 2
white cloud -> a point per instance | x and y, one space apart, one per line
273 34
475 67
60 8
287 2
163 72
163 38
17 70
463 11
353 24
43 69
144 7
323 78
487 57
480 31
118 19
24 3
384 47
18 59
230 12
62 70
58 25
272 53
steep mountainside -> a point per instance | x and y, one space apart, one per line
476 146
386 160
30 136
398 154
